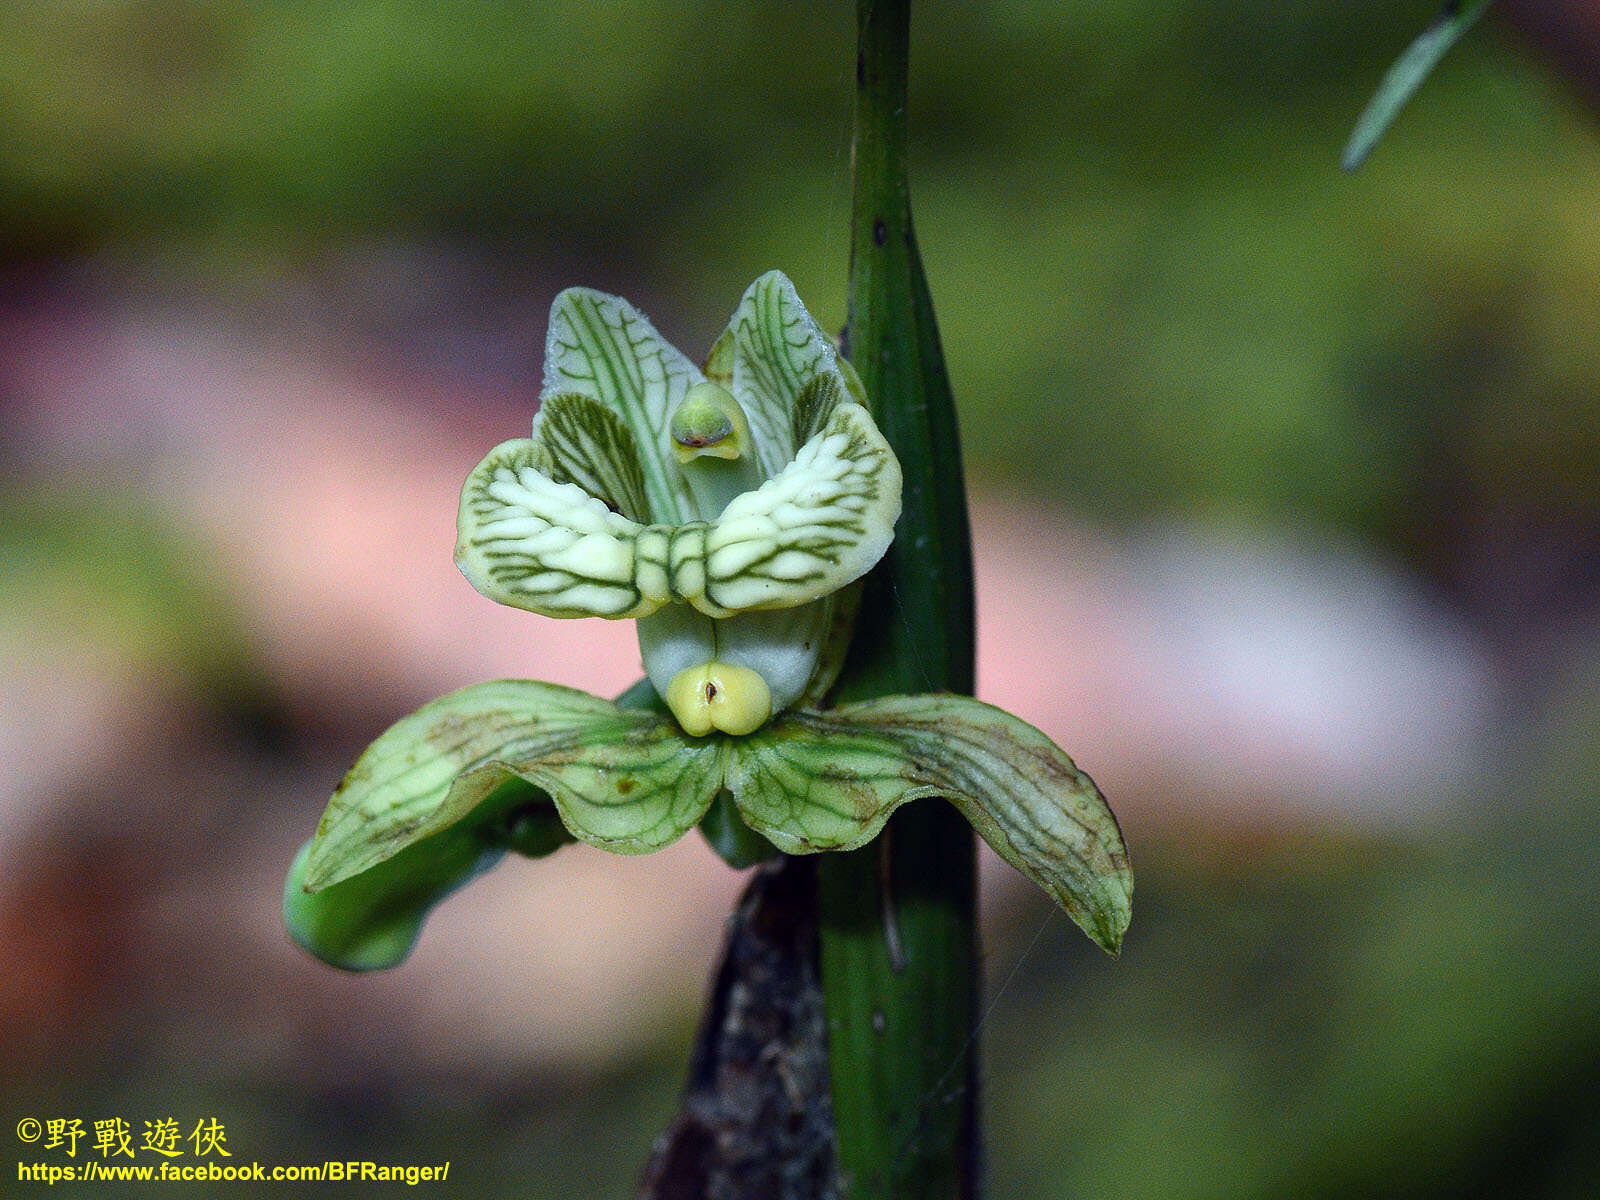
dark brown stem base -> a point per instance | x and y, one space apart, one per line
757 1117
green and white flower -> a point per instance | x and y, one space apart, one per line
728 511
723 509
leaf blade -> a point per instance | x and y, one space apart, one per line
1405 76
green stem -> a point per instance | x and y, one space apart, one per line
898 953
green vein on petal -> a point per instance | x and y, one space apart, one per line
777 350
815 405
828 781
591 446
601 346
622 779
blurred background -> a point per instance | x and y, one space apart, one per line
1286 493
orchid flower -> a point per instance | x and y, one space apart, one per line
723 509
728 511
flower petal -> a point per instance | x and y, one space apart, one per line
813 408
371 921
734 842
823 522
602 347
622 779
589 445
526 540
777 350
828 781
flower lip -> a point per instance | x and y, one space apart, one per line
634 492
718 695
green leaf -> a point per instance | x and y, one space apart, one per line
897 929
529 541
601 346
1403 79
625 780
778 350
828 781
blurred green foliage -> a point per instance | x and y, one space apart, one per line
1159 298
123 587
1325 1019
1149 271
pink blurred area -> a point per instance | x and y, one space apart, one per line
1231 679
